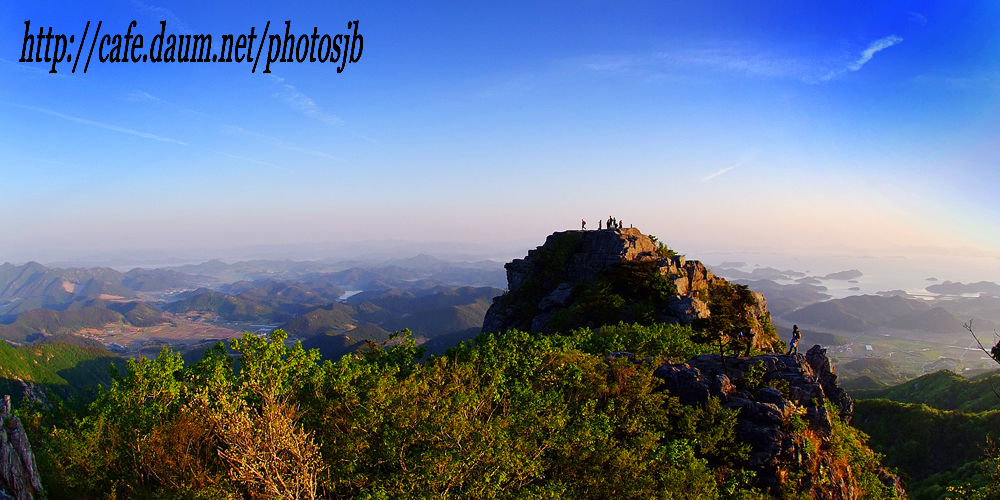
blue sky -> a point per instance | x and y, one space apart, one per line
802 127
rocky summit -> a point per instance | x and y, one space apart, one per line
772 392
589 278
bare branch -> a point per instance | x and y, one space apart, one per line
968 326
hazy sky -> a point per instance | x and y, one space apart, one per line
867 127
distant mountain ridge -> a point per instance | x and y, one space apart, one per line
782 299
450 314
420 271
954 288
32 286
861 313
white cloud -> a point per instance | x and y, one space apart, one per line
722 57
720 172
249 160
174 23
739 163
866 55
140 96
877 45
145 97
301 102
732 58
104 125
274 141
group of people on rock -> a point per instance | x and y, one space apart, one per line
611 224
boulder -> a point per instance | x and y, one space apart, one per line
559 297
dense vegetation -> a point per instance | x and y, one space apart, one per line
59 367
630 290
514 416
940 450
936 429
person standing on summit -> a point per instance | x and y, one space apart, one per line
796 336
583 223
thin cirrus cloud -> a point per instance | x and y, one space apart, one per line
866 55
916 17
145 97
739 163
716 174
140 96
164 14
733 58
301 102
103 125
250 160
274 141
725 58
877 45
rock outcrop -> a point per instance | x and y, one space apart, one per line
780 449
556 284
19 477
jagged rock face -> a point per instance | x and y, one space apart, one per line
553 282
19 477
765 413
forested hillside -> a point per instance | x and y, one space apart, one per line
514 416
58 366
937 430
